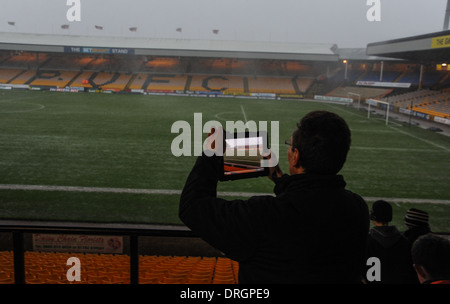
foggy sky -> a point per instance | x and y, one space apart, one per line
343 22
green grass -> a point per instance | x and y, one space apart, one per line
124 141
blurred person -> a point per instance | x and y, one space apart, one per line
431 258
313 230
417 223
392 249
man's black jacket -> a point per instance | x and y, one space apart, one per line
312 231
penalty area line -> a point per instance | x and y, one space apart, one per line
245 115
178 192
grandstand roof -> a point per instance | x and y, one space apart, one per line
429 48
360 54
168 47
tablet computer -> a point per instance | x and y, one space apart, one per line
243 154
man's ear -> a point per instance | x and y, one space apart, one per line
293 161
421 272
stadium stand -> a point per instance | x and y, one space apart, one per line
432 78
352 76
50 268
137 81
411 77
23 77
271 85
98 64
387 76
303 84
109 81
164 82
24 60
224 75
217 83
6 75
226 84
439 110
3 57
364 92
426 101
68 62
51 78
81 80
405 100
162 65
429 79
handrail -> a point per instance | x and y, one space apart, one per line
18 228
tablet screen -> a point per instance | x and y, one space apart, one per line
243 155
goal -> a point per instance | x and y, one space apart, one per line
375 102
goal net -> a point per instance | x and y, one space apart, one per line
374 102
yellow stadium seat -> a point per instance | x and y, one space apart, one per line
51 268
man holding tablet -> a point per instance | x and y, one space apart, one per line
312 231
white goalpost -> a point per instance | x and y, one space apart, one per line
375 103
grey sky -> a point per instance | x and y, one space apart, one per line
343 22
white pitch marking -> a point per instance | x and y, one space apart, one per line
243 112
178 192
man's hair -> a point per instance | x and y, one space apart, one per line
323 141
432 252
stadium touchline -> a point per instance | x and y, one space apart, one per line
213 144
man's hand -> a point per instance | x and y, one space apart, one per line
210 144
274 170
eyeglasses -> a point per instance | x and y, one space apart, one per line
287 142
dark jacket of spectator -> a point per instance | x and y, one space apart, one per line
312 231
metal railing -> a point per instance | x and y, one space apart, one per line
18 229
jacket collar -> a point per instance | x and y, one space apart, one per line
292 182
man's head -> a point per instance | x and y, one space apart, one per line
431 257
319 144
381 213
416 218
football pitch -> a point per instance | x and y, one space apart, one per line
107 157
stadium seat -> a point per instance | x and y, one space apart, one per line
226 84
430 102
6 267
78 81
6 75
163 82
52 78
137 82
303 84
51 268
26 60
271 85
23 78
364 92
